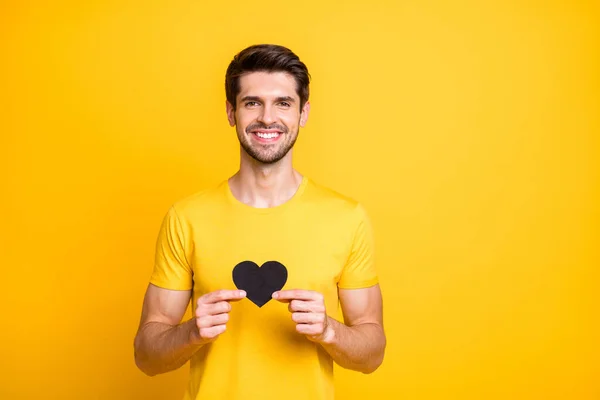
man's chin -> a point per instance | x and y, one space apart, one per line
267 159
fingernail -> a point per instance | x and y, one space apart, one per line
275 295
242 293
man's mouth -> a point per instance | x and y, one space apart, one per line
267 134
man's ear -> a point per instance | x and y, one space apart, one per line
230 113
304 114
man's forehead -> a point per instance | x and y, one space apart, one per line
267 84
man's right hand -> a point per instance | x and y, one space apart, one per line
212 314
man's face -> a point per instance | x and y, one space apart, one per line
268 116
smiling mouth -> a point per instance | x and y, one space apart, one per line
267 135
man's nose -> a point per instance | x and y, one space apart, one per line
267 116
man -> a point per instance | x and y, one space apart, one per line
265 257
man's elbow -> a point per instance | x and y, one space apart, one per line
376 360
372 366
139 359
144 367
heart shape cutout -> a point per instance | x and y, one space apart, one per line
260 282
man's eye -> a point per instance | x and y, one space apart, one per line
285 104
251 103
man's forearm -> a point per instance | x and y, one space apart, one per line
161 348
359 348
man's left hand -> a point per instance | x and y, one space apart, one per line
308 312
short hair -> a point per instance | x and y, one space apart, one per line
266 58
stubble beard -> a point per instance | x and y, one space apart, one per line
268 153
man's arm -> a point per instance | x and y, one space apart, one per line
162 343
358 343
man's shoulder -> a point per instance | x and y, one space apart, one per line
206 199
327 193
334 201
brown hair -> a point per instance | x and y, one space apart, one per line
266 58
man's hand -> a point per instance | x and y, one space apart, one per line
308 312
212 314
163 343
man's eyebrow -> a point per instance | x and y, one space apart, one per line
250 98
289 99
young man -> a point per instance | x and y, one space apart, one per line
265 257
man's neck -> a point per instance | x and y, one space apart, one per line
262 186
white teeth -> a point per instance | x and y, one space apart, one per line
267 135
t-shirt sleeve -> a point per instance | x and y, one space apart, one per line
359 271
171 266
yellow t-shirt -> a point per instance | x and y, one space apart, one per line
325 242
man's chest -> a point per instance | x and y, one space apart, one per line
312 251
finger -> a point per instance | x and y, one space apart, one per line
308 318
212 332
212 320
212 309
297 305
222 295
309 329
306 306
218 308
297 294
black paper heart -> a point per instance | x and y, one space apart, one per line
259 282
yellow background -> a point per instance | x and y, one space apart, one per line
468 129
